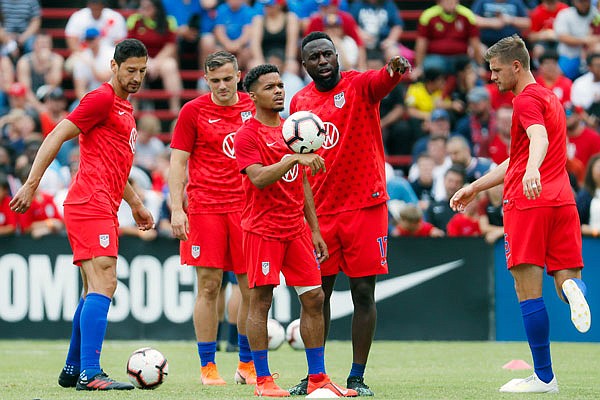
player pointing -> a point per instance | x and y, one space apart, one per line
541 224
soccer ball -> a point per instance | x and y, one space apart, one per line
276 334
303 132
292 335
147 368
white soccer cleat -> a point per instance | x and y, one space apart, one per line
580 311
532 384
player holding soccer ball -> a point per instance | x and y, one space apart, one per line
104 120
541 224
276 236
351 198
210 231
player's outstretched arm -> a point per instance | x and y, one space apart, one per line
176 180
262 176
310 214
398 64
65 130
143 218
465 195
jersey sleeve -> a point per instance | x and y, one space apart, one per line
530 111
376 84
93 110
246 149
185 131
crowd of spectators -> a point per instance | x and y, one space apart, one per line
446 116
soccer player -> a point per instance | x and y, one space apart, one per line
541 224
210 231
351 197
104 120
276 236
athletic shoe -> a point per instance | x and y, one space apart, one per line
532 384
101 382
266 387
322 381
358 383
580 311
210 375
67 380
301 389
245 373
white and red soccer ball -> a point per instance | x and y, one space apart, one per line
292 335
303 132
147 368
276 334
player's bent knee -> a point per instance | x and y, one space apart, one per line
300 290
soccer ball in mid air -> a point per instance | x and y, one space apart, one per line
276 334
292 335
304 132
147 368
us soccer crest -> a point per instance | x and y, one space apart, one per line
195 251
265 267
246 115
104 240
339 100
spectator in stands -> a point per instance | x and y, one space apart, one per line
550 76
347 49
423 185
93 63
410 223
8 218
459 84
460 154
18 100
582 141
276 29
572 27
423 97
439 212
152 201
54 108
588 199
291 81
8 46
466 223
21 21
479 126
438 125
40 67
52 181
330 14
148 147
400 132
7 77
445 31
497 19
157 30
233 29
541 33
585 91
500 144
6 164
491 215
381 29
109 23
436 148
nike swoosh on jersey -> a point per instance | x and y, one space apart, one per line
271 144
212 121
341 300
121 112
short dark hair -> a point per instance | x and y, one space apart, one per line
590 58
218 59
255 73
509 49
457 169
315 36
129 48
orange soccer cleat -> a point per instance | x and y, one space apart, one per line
266 387
245 373
322 382
210 375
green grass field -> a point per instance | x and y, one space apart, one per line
396 370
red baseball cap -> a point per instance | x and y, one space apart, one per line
17 89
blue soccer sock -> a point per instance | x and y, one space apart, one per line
232 334
206 351
316 360
580 284
357 370
537 328
93 322
73 362
261 363
245 352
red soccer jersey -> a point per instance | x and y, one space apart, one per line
42 208
586 144
7 216
353 149
206 131
461 225
538 105
145 31
542 18
276 211
349 25
107 145
424 230
447 34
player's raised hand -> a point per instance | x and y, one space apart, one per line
464 196
320 246
143 218
398 64
180 225
22 200
314 161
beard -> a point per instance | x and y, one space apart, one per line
330 82
278 109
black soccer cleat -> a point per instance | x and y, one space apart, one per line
102 382
67 380
300 389
358 383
